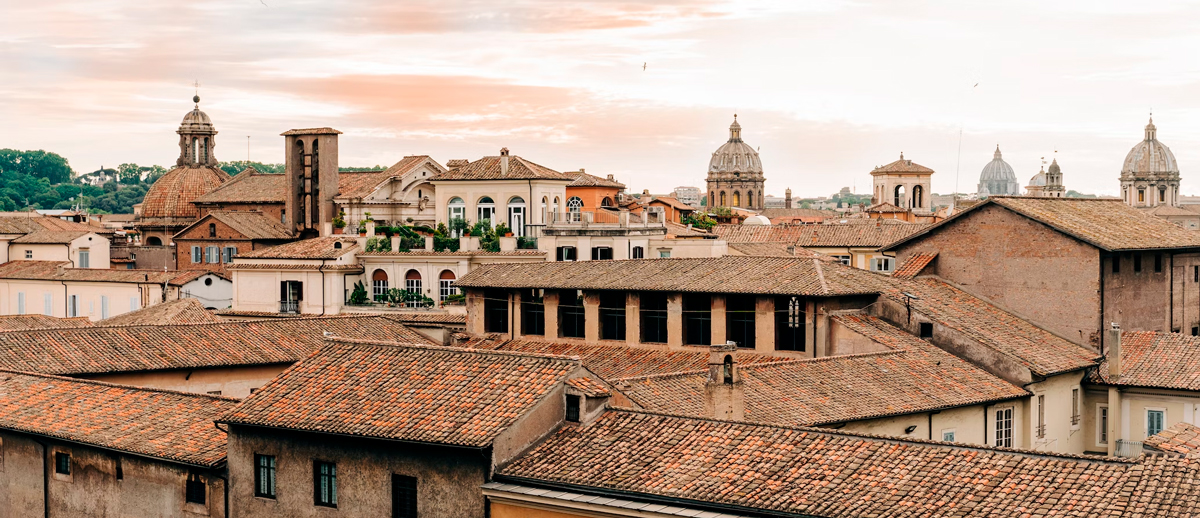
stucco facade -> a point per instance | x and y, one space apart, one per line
537 198
237 381
95 246
94 300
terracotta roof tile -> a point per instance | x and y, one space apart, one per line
674 203
582 179
828 235
249 186
589 387
913 266
171 196
28 222
157 423
315 248
428 318
488 168
357 185
311 131
49 271
775 249
251 224
51 237
412 393
102 349
911 376
182 311
1154 359
798 213
1181 437
901 166
884 208
27 322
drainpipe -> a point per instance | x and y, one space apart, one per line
931 424
321 270
1100 321
66 300
45 478
72 261
225 478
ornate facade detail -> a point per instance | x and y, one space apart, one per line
998 178
197 138
1150 175
735 175
903 183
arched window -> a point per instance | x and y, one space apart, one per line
456 209
545 204
195 150
737 199
575 208
379 285
749 199
446 285
722 198
728 369
412 281
485 208
153 241
555 207
712 199
899 199
917 194
204 151
606 202
516 215
212 230
314 211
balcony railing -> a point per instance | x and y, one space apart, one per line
606 217
289 306
1128 448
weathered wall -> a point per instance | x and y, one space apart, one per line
966 422
120 297
1061 436
1022 265
448 479
226 381
843 341
1138 300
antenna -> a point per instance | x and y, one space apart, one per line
197 85
247 150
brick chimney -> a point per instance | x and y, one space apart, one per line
723 394
787 198
504 161
1113 341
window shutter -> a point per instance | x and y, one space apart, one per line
558 254
196 255
225 257
283 291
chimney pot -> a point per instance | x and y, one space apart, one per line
1113 341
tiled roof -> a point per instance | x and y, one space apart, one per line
809 472
677 230
49 271
673 203
797 213
729 274
252 224
296 267
50 237
428 318
884 208
157 423
488 168
774 249
26 222
583 179
352 185
1181 437
402 392
913 266
1042 352
589 387
848 234
463 253
26 322
1108 224
913 376
613 362
902 166
98 350
249 186
182 311
1154 359
311 131
171 196
315 248
1168 210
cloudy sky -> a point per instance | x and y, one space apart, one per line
827 89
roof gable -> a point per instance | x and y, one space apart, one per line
1154 359
490 168
249 224
249 186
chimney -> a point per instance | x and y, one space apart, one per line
504 161
1113 341
311 167
787 198
610 178
723 393
60 269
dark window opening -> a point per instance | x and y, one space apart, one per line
324 483
1196 274
290 295
697 319
1116 264
404 496
120 470
639 252
602 253
62 463
533 313
264 476
212 230
1195 331
652 309
612 315
196 491
739 320
572 408
565 253
1158 260
926 330
495 311
1137 262
570 314
790 320
728 370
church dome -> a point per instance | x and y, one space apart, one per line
735 156
171 195
1038 180
757 219
196 118
998 178
1150 156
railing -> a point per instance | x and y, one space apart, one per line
289 306
606 217
1128 448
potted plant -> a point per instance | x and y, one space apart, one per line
339 222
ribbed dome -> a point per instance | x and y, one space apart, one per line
171 195
998 178
1150 156
1038 180
196 117
735 156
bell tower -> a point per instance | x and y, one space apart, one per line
311 166
197 138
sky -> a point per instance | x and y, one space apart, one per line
826 89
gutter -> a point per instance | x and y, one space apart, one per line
356 437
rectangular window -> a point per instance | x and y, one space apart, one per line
948 435
570 314
62 463
639 252
1041 416
195 490
1141 196
412 286
602 253
664 254
446 289
1075 408
264 475
85 257
652 317
20 303
29 254
1004 428
789 324
1102 424
1158 263
404 496
1196 274
73 305
565 253
844 259
213 254
379 288
1116 263
228 253
739 320
133 303
697 319
290 295
196 257
324 483
120 470
926 330
495 311
104 306
572 408
1137 262
533 313
881 264
612 315
1154 421
48 299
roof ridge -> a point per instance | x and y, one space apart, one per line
227 323
120 386
767 364
494 352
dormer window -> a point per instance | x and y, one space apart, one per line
337 244
573 408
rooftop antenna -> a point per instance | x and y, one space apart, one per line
958 163
247 150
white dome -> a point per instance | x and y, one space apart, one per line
757 219
735 156
1038 180
998 178
1150 156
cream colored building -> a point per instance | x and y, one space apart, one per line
55 289
81 249
622 235
904 184
395 195
503 188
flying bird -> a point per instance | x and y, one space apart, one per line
643 67
976 84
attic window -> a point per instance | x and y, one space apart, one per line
573 408
926 330
728 370
337 244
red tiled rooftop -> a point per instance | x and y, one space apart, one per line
1181 437
914 265
249 186
489 168
315 248
1155 359
27 322
182 311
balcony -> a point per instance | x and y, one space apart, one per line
289 307
1128 448
605 218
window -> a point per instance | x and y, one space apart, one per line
73 305
404 496
789 324
516 216
844 259
573 408
1154 421
457 210
290 295
612 315
1004 427
664 254
652 313
212 254
697 319
640 253
20 303
196 258
120 470
195 490
1141 196
446 285
739 320
533 313
85 258
29 254
48 299
324 483
574 205
412 282
602 253
153 241
228 253
495 311
565 253
1137 262
948 435
104 306
1075 407
1158 260
62 463
212 230
1116 264
133 303
264 475
1101 424
486 210
1162 195
926 330
1040 432
881 264
570 314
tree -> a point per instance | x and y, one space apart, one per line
38 164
